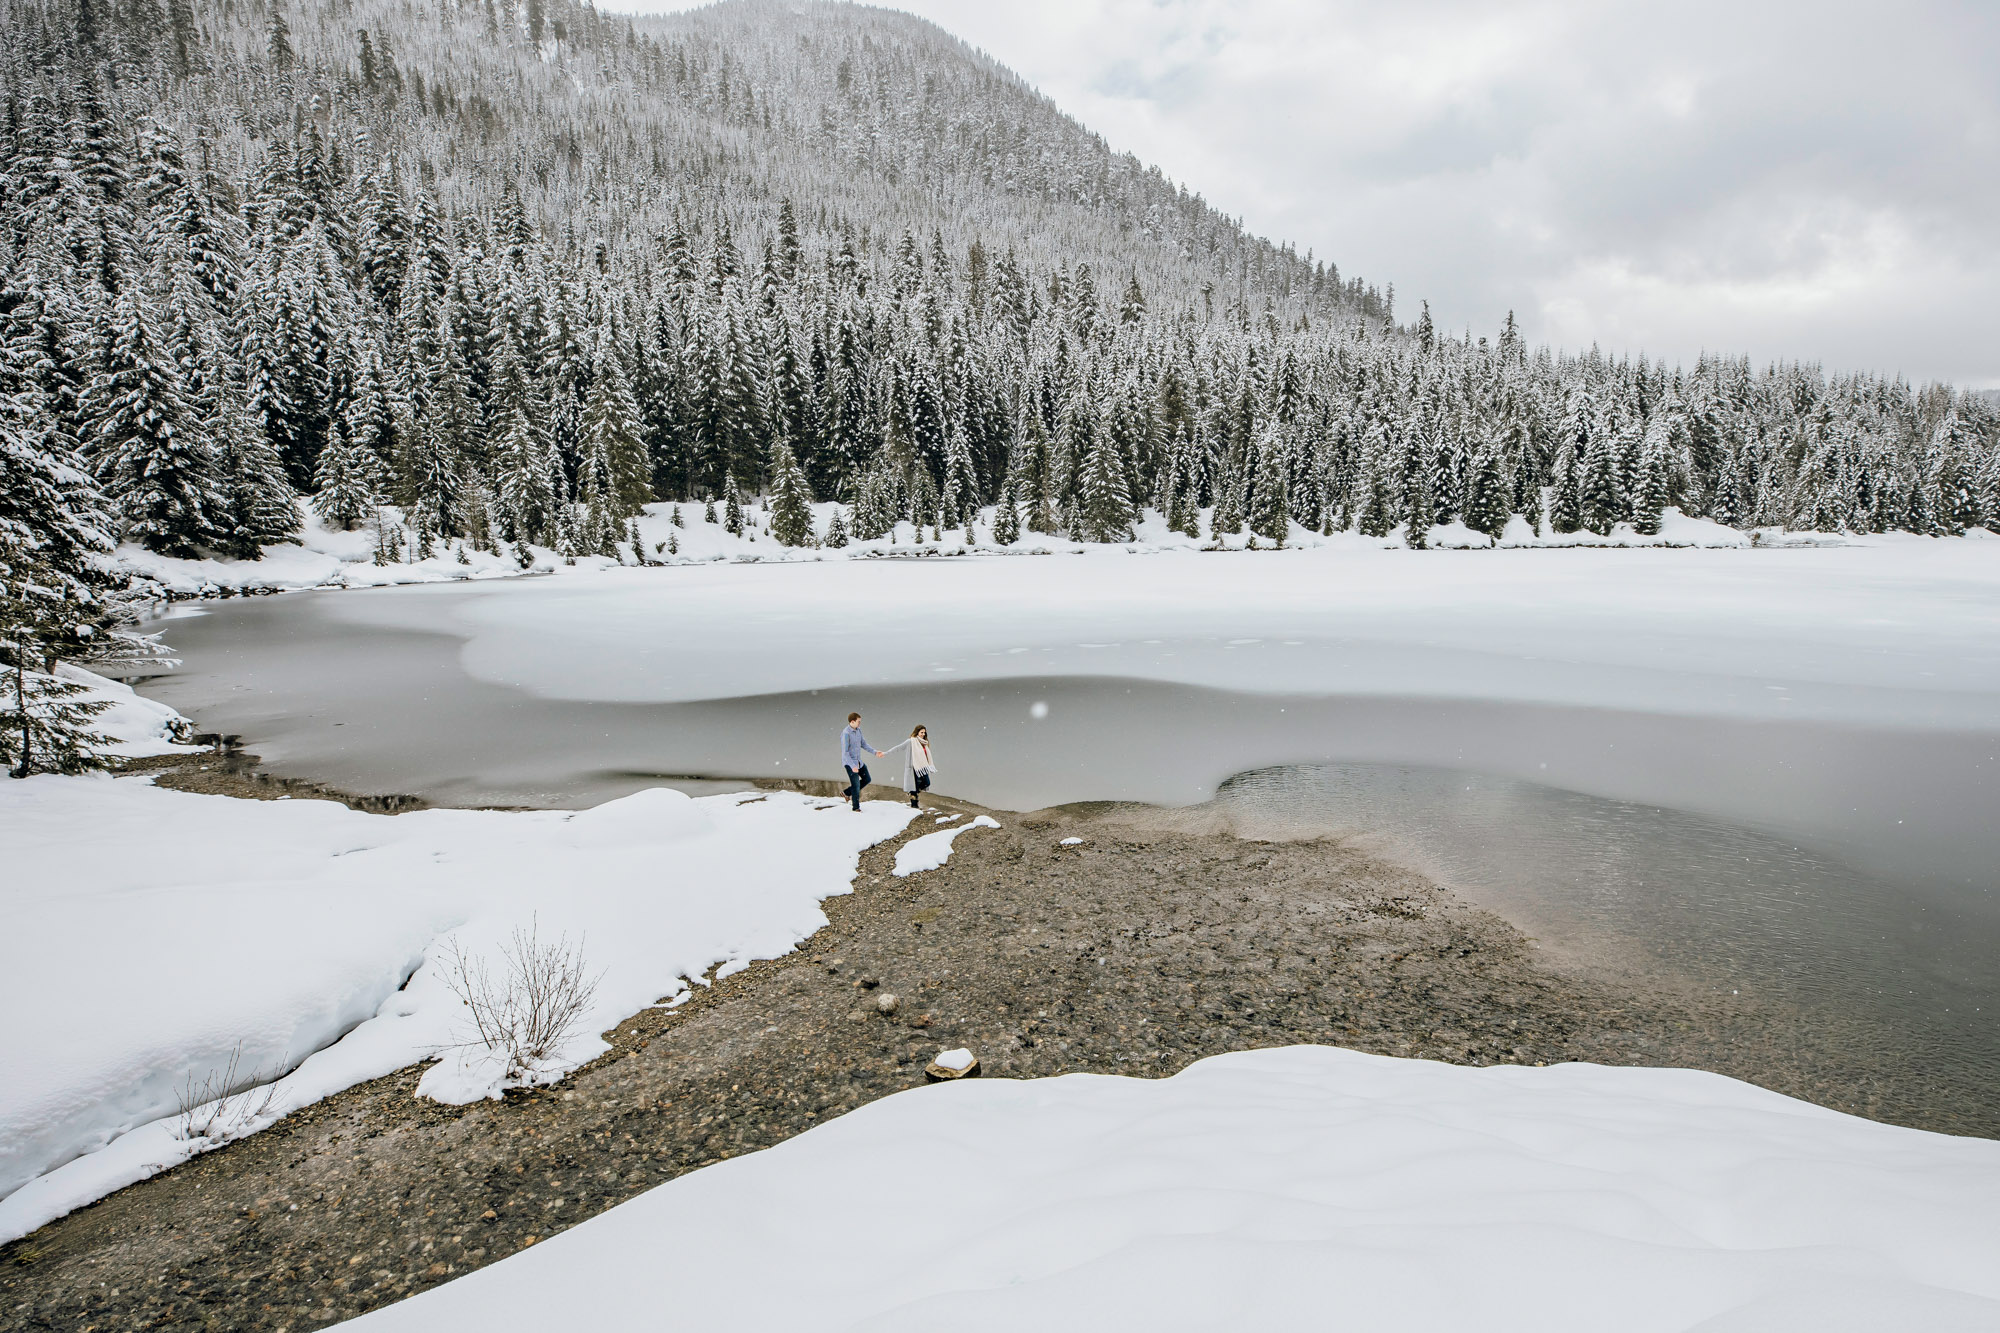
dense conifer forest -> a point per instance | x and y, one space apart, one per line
518 269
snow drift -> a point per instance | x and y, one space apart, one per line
1305 1187
303 936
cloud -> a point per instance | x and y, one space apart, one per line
1813 180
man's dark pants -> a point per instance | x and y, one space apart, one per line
856 780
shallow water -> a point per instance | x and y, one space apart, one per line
1846 870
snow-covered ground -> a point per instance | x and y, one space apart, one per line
1297 1188
336 558
934 849
153 936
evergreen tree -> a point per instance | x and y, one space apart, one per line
1006 517
732 508
349 478
1377 508
611 430
791 501
1419 509
155 470
51 511
836 530
1649 487
526 496
1566 502
45 721
258 506
1104 501
1486 507
1602 501
1270 515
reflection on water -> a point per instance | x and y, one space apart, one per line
1620 885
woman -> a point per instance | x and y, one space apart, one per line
917 763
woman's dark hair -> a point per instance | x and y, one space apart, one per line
920 728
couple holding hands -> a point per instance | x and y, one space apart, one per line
917 762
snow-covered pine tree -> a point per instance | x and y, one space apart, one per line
1270 510
258 506
1486 507
349 477
525 496
1649 485
1566 494
732 507
1601 501
1419 509
611 430
960 495
45 721
791 501
1951 477
1104 502
157 472
569 531
836 530
50 506
1377 509
1006 517
1227 517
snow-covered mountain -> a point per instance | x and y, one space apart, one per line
520 269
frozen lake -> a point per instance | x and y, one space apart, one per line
1770 772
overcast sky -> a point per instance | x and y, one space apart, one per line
1793 178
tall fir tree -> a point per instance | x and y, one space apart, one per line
791 500
1104 500
1270 511
158 473
612 431
1486 503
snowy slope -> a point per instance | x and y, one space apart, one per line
1301 1188
265 930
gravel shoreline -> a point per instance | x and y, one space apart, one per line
1134 951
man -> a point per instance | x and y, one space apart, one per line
854 751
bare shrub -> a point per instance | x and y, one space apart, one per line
213 1107
526 1016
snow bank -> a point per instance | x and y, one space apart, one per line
333 558
137 726
323 558
305 936
1298 1188
934 849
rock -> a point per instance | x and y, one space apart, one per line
868 983
959 1063
885 1003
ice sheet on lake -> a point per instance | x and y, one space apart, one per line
1893 630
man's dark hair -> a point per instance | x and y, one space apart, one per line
854 717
